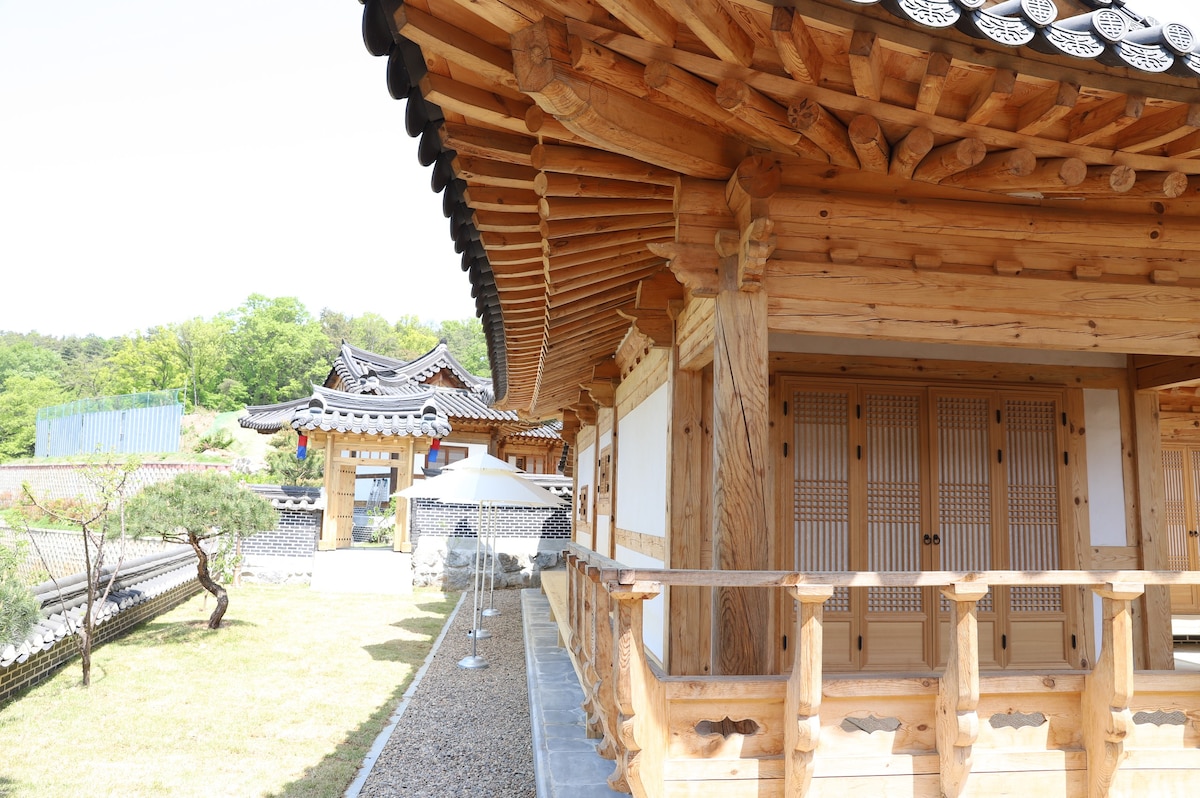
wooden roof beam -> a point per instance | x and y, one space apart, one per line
568 228
499 242
558 247
481 171
996 172
550 184
561 264
950 159
589 162
617 121
870 144
799 53
658 291
685 89
554 209
444 40
1186 147
714 26
1159 185
498 12
506 200
766 116
506 222
866 65
563 277
992 97
487 144
623 279
1106 120
1101 181
824 130
1158 375
647 20
481 105
933 83
908 154
1047 109
1160 129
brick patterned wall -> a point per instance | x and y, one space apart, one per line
295 535
44 664
431 517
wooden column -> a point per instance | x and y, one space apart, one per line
690 644
401 541
958 690
1155 633
803 708
328 539
742 643
1108 688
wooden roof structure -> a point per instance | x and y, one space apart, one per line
1000 172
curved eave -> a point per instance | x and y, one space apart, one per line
543 343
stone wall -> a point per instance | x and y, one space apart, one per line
448 562
66 480
60 551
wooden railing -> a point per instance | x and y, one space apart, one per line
762 735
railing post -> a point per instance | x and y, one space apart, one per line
958 689
590 634
1108 688
572 641
630 672
603 678
803 707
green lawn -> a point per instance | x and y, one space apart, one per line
284 700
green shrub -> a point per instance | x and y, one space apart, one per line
217 439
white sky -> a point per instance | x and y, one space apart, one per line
161 160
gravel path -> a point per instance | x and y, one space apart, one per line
465 732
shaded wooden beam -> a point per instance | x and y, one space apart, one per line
647 20
684 88
1170 373
797 50
483 171
658 291
597 163
567 228
474 103
825 130
551 184
1167 185
933 82
488 144
766 116
1102 180
1186 147
998 171
866 65
655 229
439 38
504 222
694 265
1047 109
1160 129
490 198
1106 120
615 120
557 208
716 27
992 97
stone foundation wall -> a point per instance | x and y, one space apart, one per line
448 562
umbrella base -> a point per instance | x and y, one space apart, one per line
490 613
473 662
479 634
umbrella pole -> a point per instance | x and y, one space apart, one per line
474 661
491 610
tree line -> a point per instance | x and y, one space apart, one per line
264 351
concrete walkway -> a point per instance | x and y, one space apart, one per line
356 570
565 760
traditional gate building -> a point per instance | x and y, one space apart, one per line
376 418
859 315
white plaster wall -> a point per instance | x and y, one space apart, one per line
585 470
642 466
653 610
1106 485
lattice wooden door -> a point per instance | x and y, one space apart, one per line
1181 480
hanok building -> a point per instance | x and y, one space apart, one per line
376 419
858 314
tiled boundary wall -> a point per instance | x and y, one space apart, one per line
45 663
65 480
60 551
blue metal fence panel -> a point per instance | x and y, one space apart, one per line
131 431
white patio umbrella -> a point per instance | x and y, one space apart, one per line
481 480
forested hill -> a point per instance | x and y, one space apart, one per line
267 350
